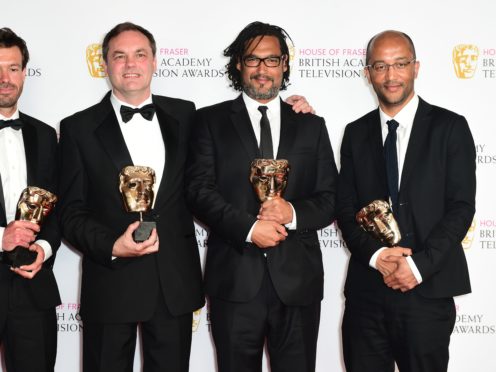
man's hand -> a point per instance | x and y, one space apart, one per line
29 271
19 233
402 278
268 234
300 104
276 209
386 267
125 246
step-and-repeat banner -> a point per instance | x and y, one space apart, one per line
456 47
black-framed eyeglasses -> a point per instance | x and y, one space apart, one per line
381 67
271 61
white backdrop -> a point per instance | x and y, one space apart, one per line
330 37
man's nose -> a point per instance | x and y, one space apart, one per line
4 76
390 72
130 60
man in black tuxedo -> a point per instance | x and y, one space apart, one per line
28 293
156 283
399 300
264 273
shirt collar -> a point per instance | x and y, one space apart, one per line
273 105
117 103
405 116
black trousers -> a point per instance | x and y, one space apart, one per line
166 343
27 333
380 328
240 331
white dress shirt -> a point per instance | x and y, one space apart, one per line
13 171
274 116
405 120
143 139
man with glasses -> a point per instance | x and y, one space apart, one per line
264 272
421 159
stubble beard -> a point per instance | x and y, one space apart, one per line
10 101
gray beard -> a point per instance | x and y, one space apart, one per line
257 95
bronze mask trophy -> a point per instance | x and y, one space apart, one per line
377 219
136 187
269 177
34 205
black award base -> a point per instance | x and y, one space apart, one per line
19 256
143 231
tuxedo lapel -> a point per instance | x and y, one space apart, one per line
3 216
170 134
418 137
242 124
30 140
288 130
377 147
110 135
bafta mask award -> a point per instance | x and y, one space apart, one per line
136 187
269 177
34 205
377 219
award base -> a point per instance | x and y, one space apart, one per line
19 256
143 231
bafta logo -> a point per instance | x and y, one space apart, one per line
94 60
292 52
465 58
469 238
196 319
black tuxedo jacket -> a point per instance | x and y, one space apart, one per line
40 146
220 194
436 198
92 216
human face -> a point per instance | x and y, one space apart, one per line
130 66
394 88
263 83
11 79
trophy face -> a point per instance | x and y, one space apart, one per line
377 218
269 177
136 187
35 204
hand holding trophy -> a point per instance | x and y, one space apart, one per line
136 187
34 205
377 219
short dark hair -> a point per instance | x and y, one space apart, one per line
122 27
9 39
238 47
398 33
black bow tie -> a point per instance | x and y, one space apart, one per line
146 111
14 124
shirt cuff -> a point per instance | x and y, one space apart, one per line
2 229
47 248
373 259
292 224
413 267
248 237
